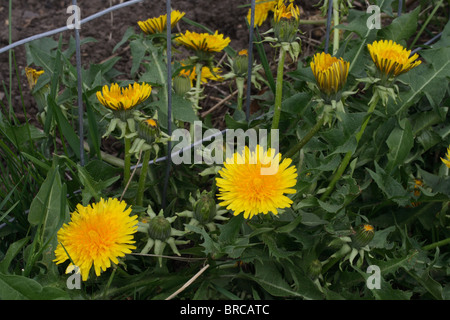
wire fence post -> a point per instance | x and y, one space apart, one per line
79 83
169 99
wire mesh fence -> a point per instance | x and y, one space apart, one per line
75 28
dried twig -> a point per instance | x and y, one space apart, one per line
187 284
221 102
131 177
167 257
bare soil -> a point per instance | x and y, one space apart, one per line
30 17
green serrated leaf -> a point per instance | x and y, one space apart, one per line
211 247
400 143
269 277
183 109
12 252
138 53
290 226
230 230
432 286
45 206
391 188
13 287
296 103
65 127
431 77
402 27
128 33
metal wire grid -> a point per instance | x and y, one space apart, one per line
169 68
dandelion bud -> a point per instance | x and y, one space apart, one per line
148 130
315 269
205 209
181 84
121 100
159 228
331 75
32 76
240 63
286 22
363 235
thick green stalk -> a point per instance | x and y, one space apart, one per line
198 70
127 161
426 23
142 179
328 265
336 22
306 138
154 183
436 244
279 89
240 88
111 277
349 154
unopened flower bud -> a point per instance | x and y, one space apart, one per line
240 63
286 22
148 130
159 228
205 209
364 233
181 84
315 269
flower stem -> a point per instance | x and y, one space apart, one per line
142 179
279 89
198 70
151 174
436 244
127 161
349 154
306 138
240 88
426 23
336 22
331 263
105 291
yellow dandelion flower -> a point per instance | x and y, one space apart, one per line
262 9
151 123
417 183
391 58
330 72
159 24
244 186
286 20
121 99
206 75
243 52
203 42
283 11
368 228
96 235
447 161
32 76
